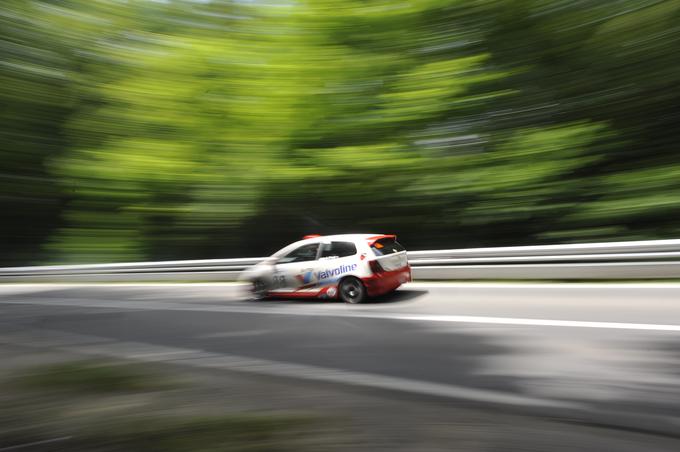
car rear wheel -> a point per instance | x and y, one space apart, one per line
352 290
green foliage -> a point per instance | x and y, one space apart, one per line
119 406
200 434
91 376
183 129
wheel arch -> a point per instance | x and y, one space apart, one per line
351 275
356 278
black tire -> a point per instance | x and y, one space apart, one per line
351 290
258 290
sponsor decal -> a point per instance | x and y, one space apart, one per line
334 272
305 277
309 278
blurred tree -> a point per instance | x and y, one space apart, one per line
36 98
182 129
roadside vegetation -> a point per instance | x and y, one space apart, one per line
91 376
175 129
121 406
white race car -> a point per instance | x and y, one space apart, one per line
349 266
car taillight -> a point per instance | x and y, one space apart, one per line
376 267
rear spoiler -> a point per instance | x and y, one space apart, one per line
375 238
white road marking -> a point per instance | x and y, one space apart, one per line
267 309
623 285
535 322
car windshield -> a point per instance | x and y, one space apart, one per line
385 246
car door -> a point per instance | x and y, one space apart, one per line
336 259
295 270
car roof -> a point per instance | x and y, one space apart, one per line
347 237
335 237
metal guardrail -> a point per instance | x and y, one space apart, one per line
656 259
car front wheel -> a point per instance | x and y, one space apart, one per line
258 290
352 290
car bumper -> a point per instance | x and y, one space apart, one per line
386 281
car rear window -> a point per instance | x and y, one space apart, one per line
338 249
388 245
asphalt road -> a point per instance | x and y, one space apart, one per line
597 353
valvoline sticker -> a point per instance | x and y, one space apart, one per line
307 276
337 271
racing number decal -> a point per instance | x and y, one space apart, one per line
279 281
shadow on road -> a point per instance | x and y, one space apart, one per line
394 297
398 296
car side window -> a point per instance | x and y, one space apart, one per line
338 249
301 254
